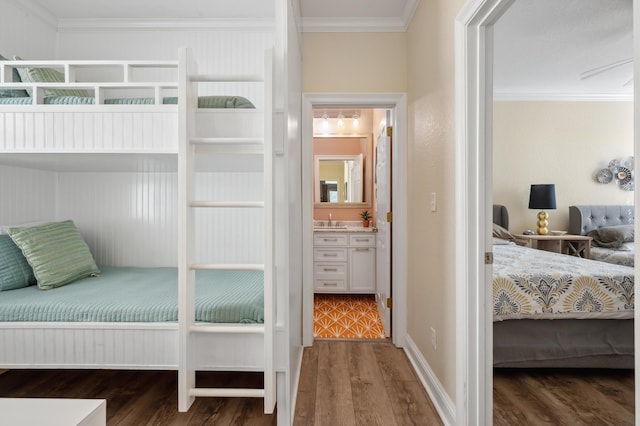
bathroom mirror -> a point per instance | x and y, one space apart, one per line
342 172
340 179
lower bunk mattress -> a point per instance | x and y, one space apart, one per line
127 294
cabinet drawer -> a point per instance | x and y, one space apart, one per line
330 254
330 285
360 240
330 270
329 239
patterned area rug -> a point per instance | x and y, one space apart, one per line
346 317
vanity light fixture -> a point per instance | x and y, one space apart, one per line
340 120
356 116
325 122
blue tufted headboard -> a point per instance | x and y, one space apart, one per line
583 219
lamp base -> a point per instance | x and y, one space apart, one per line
543 223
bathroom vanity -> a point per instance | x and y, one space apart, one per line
344 260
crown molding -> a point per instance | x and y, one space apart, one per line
352 25
359 25
68 25
562 97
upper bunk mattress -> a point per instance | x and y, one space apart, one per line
203 101
139 295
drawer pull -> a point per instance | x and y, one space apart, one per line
361 239
362 249
331 269
330 254
330 239
330 284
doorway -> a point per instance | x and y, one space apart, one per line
396 103
474 116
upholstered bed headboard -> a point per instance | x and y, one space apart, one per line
501 216
583 219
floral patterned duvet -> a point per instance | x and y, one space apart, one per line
536 284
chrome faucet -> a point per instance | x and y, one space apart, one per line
329 220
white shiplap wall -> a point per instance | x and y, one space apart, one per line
130 218
26 195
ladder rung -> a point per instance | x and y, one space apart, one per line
227 392
228 204
228 328
225 141
226 78
227 266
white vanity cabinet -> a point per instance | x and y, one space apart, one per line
344 262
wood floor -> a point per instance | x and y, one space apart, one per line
563 397
342 383
360 383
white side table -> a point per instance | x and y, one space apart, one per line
53 412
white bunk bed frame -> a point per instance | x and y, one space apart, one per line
188 132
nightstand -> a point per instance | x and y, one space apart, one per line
573 245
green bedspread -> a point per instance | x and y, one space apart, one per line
203 101
139 295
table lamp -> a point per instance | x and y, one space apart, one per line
542 197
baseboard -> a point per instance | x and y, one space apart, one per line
441 400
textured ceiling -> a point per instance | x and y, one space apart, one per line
543 47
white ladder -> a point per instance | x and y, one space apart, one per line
189 145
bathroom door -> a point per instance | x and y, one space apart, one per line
383 236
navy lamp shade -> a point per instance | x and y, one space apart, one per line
543 197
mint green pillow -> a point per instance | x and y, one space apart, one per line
13 93
15 272
47 75
57 253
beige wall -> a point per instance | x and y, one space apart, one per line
563 143
354 62
431 168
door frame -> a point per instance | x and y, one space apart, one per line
474 114
398 103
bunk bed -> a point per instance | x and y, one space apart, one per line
119 121
553 310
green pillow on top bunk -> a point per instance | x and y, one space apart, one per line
48 75
13 93
57 253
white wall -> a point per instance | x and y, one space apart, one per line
130 218
23 34
564 143
26 195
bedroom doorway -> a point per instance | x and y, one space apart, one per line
475 85
396 105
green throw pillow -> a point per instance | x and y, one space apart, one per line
57 253
13 93
15 272
48 75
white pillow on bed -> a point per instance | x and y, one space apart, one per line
57 253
